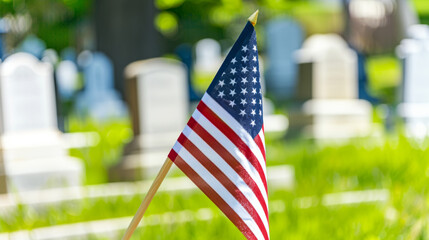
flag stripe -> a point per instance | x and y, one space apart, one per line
207 190
236 127
220 175
223 164
223 199
230 160
232 150
258 142
222 148
229 133
262 135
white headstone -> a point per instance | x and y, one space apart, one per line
27 94
208 55
67 78
328 69
328 92
158 102
415 86
32 153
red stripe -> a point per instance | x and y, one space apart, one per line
229 159
172 155
258 142
224 180
233 137
220 203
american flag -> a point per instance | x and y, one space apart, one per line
222 148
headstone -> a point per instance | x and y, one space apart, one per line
32 153
208 55
284 37
33 45
50 56
414 53
208 58
327 69
327 91
99 99
66 77
157 97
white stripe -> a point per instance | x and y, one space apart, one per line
232 149
218 188
262 136
227 170
236 127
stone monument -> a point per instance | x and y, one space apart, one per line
327 92
414 106
158 102
33 155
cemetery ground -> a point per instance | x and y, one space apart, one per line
372 188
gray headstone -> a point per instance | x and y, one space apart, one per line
328 92
158 91
284 37
158 99
327 69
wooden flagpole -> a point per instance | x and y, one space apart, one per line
160 177
149 196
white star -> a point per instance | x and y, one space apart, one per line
252 122
221 94
243 101
221 83
232 103
254 48
243 91
233 61
260 113
233 71
253 101
232 92
244 48
242 113
260 90
223 73
244 59
244 69
253 112
254 70
244 80
260 102
254 58
254 80
254 90
232 82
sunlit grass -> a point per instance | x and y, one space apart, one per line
397 164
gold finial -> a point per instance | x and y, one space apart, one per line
254 18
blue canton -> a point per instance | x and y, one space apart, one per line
236 87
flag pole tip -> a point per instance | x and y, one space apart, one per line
254 18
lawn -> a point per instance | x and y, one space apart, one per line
394 163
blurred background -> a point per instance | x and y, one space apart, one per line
87 88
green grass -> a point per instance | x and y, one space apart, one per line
396 164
